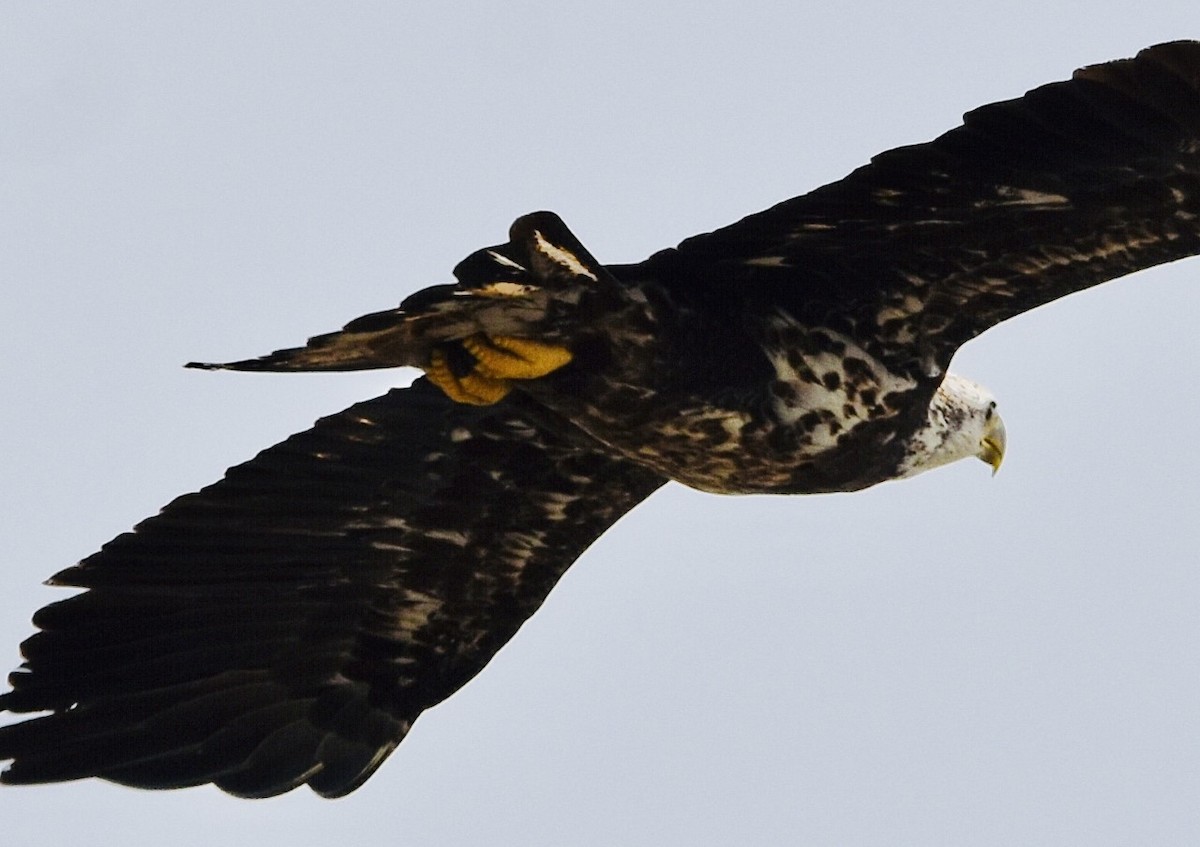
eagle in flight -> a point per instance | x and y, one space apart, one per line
286 625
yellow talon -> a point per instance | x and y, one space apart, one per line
504 357
498 360
472 389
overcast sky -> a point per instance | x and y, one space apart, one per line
949 660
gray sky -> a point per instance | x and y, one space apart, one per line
949 660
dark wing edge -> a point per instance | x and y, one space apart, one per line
287 624
1075 183
1126 136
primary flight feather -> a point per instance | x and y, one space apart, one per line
288 624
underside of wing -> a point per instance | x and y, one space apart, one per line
1031 199
288 624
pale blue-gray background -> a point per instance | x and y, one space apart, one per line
951 660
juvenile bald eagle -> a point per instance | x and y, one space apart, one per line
289 623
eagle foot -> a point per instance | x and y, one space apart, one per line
505 357
471 388
494 362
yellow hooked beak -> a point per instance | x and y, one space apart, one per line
991 448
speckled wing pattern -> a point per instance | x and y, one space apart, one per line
289 623
1075 183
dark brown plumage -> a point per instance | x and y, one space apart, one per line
288 624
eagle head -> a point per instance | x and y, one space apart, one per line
962 421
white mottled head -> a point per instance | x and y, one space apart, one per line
962 422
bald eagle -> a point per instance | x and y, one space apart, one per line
286 625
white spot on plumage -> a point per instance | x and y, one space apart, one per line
415 611
504 260
451 536
1012 196
562 257
767 261
905 307
505 288
554 505
518 548
840 403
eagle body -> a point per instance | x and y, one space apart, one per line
288 624
776 407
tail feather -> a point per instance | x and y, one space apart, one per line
370 342
505 290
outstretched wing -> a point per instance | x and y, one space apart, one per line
289 623
1073 184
